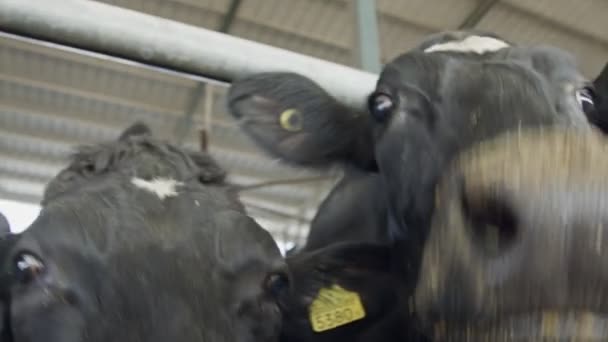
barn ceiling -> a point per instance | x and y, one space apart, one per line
52 99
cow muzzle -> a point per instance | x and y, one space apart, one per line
518 243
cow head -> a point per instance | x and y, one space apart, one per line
361 271
429 106
139 240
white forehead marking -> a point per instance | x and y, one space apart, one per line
476 44
162 187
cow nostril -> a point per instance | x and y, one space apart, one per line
493 223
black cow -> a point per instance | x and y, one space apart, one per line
346 245
6 239
440 117
358 267
429 106
139 240
5 227
598 113
354 210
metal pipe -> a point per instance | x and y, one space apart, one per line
367 43
483 7
153 40
230 15
42 45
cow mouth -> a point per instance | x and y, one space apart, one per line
537 326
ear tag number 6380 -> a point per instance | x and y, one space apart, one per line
335 307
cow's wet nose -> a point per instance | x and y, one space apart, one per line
553 237
493 221
520 232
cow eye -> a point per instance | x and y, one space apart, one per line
291 120
27 267
584 97
276 283
380 106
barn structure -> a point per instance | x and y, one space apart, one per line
57 90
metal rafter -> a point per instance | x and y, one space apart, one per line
477 14
367 45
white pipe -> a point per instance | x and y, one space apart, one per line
145 38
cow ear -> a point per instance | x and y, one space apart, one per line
210 172
294 119
137 128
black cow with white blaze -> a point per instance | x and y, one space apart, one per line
139 240
356 208
486 158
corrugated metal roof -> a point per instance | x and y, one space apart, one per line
52 99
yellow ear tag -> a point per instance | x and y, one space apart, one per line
335 307
291 120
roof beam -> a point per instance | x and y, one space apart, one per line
483 7
22 186
230 15
25 106
88 92
37 141
556 25
24 45
419 27
19 197
42 146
